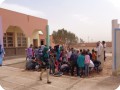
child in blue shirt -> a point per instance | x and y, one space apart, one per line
81 63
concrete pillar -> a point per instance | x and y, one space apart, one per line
1 32
16 44
28 41
115 23
115 47
38 39
47 36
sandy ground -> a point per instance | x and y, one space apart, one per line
107 71
18 65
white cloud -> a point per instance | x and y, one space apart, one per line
23 9
1 1
81 18
116 3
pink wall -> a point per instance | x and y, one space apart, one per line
1 32
26 22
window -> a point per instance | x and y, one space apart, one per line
21 40
8 39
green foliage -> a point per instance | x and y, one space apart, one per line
63 37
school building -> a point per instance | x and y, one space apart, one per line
21 30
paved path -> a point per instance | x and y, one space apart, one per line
13 61
18 79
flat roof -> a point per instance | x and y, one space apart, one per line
22 13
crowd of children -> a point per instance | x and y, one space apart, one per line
57 59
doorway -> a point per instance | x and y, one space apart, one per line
42 42
35 42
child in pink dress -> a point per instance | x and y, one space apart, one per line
87 62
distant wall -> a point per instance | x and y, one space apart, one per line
109 44
108 49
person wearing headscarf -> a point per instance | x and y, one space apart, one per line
1 54
45 65
30 52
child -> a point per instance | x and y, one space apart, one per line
45 64
52 62
87 62
64 58
94 55
65 67
95 61
81 63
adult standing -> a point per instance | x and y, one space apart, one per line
1 54
104 47
100 54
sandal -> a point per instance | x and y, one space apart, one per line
40 79
48 82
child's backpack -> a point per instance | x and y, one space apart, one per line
40 53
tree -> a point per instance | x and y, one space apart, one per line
64 37
81 40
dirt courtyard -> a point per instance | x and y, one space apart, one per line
107 70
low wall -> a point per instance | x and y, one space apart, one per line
15 51
108 49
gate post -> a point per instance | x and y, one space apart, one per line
47 36
115 47
1 32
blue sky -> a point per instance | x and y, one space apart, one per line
85 18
